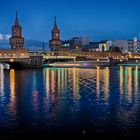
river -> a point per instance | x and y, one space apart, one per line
72 101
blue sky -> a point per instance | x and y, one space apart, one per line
97 19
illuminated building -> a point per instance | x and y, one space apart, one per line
103 46
76 43
66 44
125 46
55 43
134 45
16 41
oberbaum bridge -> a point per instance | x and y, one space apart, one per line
20 57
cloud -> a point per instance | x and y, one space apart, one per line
7 36
4 36
1 36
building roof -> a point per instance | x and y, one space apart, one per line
16 20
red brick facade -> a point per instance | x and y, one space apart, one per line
55 43
16 41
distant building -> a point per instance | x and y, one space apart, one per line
55 43
16 41
73 43
119 46
104 46
101 46
76 43
92 46
125 46
134 45
66 44
83 44
85 41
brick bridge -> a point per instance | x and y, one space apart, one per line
24 58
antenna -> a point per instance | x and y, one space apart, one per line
43 46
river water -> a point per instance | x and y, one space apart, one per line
79 102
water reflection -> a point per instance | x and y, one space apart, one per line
12 83
62 80
12 92
55 98
75 82
35 100
121 80
128 82
47 82
106 82
66 79
53 82
34 81
1 80
98 80
129 86
57 80
136 80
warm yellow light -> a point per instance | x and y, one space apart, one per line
136 80
11 60
98 80
12 91
121 80
98 60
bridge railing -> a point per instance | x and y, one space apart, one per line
59 57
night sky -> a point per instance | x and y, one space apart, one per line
97 19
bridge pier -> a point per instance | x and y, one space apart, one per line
36 61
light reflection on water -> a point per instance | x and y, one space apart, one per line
60 98
12 104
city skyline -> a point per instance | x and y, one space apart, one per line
103 20
69 69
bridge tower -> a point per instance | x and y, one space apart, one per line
55 43
16 41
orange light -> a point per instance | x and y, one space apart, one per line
11 60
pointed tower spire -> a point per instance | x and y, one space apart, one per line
16 20
55 24
16 41
55 43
